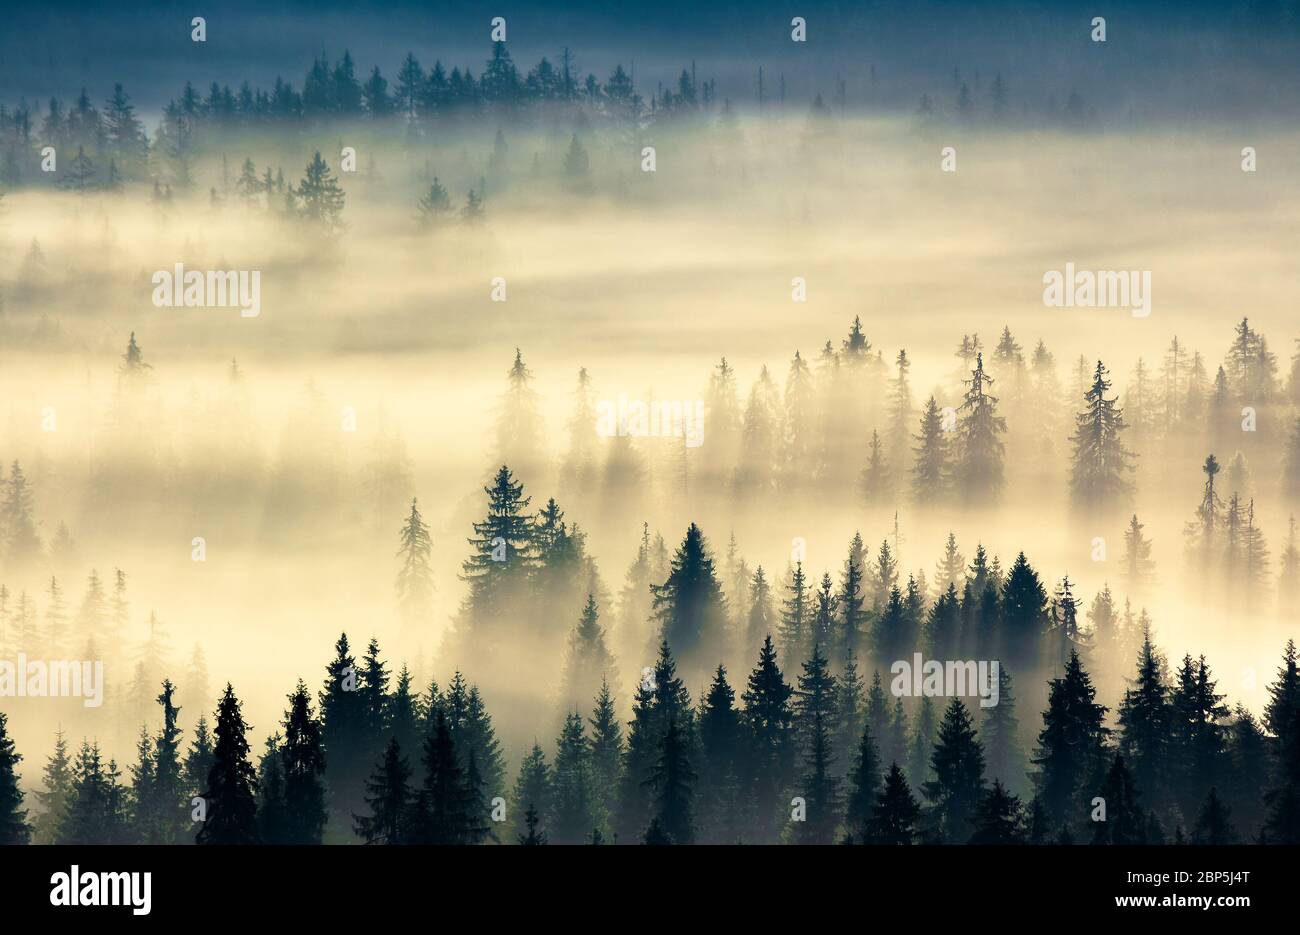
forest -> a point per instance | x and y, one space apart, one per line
433 548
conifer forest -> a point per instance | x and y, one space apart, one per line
569 424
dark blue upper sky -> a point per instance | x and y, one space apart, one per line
1239 57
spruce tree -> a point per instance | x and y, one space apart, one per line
346 735
958 767
171 799
304 769
1070 752
53 800
672 782
1000 732
719 805
606 748
863 788
769 723
796 617
1099 478
1214 824
320 198
978 468
230 791
572 791
14 828
931 470
415 576
1125 822
896 812
440 814
1145 722
533 792
689 607
999 818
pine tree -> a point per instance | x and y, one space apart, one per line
1000 732
815 719
1071 744
689 607
719 729
1023 601
388 797
951 570
978 468
53 800
320 198
1139 569
606 746
533 835
1214 824
769 723
849 600
958 767
1145 721
304 767
96 812
230 790
896 812
672 783
170 799
1201 534
931 468
796 614
1198 749
533 793
1125 822
502 554
877 477
1101 460
999 818
761 621
572 792
864 786
434 206
440 814
14 828
415 576
199 758
589 661
345 735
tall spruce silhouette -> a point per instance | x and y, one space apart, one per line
231 790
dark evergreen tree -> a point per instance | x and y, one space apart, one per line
672 782
170 799
769 724
53 800
606 747
688 607
1214 824
1124 821
230 791
864 786
14 828
572 792
1071 745
999 818
719 798
533 793
388 798
1145 722
440 814
347 736
958 766
1099 478
896 812
1000 732
304 769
